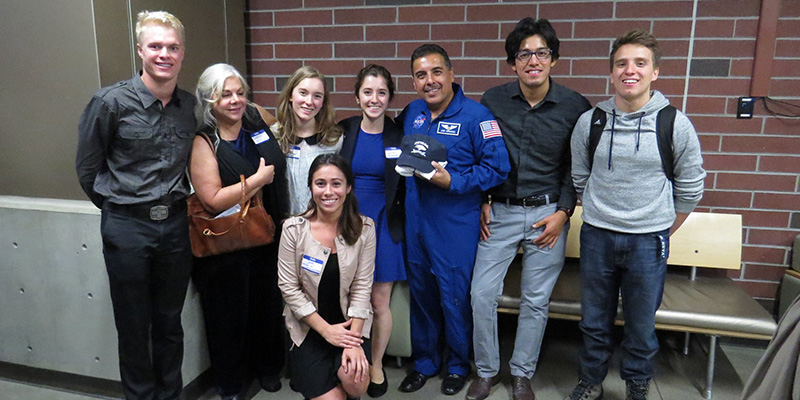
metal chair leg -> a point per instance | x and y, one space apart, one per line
712 355
686 338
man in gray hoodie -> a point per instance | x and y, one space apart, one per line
630 208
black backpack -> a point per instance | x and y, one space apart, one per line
665 122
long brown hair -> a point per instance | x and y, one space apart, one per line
350 223
324 122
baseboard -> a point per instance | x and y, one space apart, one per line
87 385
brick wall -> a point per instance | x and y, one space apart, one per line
753 165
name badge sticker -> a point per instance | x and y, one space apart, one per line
294 152
392 153
260 137
311 264
448 128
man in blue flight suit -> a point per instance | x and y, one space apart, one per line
443 217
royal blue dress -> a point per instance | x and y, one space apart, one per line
369 171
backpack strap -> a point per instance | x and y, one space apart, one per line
596 126
665 125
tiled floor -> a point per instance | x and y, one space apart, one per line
678 377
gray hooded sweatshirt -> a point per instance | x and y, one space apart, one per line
626 189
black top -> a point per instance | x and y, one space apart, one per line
133 150
328 293
231 164
537 139
395 187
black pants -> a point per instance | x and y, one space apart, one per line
242 311
148 264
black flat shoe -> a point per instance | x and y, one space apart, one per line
453 384
375 390
414 381
271 384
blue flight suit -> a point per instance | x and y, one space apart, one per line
443 227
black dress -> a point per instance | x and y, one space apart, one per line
239 291
314 365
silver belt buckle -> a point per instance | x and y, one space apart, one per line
159 213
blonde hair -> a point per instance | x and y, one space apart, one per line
163 18
209 87
324 122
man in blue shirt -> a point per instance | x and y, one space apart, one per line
443 214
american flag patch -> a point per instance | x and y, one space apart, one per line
490 129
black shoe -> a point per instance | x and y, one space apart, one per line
414 381
271 384
453 384
375 390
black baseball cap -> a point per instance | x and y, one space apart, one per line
419 150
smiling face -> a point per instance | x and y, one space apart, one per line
230 102
631 74
534 73
161 51
373 97
433 81
329 189
307 98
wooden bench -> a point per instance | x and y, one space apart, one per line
714 306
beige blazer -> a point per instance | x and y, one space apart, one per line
300 286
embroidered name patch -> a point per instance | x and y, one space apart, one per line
448 128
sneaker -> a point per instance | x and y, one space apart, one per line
586 391
636 390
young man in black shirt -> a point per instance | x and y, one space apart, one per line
530 209
133 148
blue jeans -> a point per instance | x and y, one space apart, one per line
633 265
511 226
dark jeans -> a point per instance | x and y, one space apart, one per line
242 311
148 264
633 265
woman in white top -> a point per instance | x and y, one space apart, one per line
306 128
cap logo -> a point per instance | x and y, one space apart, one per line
420 148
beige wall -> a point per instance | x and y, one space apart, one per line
54 60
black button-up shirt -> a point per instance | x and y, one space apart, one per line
537 139
131 148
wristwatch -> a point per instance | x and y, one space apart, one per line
566 210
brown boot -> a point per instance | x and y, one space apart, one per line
481 387
521 389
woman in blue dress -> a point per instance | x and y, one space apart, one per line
372 144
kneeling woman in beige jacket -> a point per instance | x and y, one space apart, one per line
325 267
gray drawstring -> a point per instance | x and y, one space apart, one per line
639 132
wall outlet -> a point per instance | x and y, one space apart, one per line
745 109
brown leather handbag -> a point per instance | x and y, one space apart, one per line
251 226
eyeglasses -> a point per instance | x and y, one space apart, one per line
525 55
